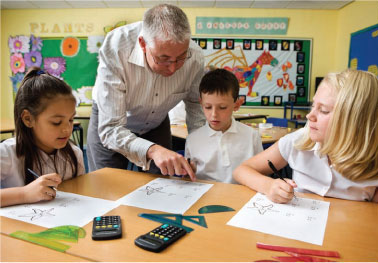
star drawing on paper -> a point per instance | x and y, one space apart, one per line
38 213
263 208
150 190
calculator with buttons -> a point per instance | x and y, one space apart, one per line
106 227
160 238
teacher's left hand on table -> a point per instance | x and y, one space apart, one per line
170 162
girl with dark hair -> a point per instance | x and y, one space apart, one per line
44 110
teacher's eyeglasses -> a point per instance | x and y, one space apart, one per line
163 62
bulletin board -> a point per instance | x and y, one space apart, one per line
270 71
363 53
81 69
72 59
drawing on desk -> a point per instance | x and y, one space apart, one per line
65 209
166 195
150 190
262 208
301 219
37 213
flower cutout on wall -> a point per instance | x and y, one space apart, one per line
36 43
84 94
33 58
16 81
70 46
94 43
17 63
19 44
54 65
107 29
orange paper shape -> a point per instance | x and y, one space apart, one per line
291 86
286 77
70 46
288 64
279 82
284 68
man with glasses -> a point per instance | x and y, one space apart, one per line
145 69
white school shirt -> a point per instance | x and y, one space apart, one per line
133 100
312 173
12 167
217 154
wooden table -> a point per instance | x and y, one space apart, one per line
248 116
351 227
268 136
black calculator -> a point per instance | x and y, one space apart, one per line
106 227
160 238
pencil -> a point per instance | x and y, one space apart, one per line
37 176
276 172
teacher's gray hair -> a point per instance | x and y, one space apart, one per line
165 23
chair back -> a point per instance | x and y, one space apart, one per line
281 122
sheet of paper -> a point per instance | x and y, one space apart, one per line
65 209
301 219
167 195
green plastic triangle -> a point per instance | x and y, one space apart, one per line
49 237
162 218
40 241
214 209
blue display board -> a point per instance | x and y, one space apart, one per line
363 52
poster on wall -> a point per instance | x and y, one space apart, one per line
71 59
269 70
363 53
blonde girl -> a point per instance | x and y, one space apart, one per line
335 154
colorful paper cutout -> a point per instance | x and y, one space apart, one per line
70 46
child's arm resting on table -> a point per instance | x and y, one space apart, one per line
38 190
253 173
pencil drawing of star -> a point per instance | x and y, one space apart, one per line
150 190
38 213
263 208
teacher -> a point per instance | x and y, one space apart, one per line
145 69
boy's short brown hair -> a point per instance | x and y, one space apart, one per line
219 81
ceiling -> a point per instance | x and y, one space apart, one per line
294 4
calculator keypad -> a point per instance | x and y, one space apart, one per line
106 222
160 238
106 227
165 232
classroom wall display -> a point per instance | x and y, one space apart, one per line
241 25
266 68
71 59
363 53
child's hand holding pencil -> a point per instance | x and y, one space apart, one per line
43 188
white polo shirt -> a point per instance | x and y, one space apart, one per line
12 167
313 174
217 154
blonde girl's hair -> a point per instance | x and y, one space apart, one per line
351 141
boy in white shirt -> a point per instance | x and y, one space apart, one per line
222 144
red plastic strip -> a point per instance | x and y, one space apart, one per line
287 259
312 252
307 258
